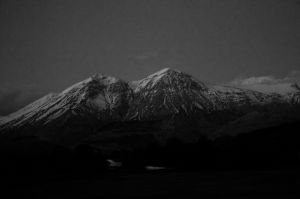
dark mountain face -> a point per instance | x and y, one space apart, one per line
110 113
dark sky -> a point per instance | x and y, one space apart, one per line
49 45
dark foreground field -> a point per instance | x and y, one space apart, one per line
262 164
163 184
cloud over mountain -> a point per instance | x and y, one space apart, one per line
269 83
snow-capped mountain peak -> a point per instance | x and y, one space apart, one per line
104 79
98 94
169 78
164 71
168 92
98 78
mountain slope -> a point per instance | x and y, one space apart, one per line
97 98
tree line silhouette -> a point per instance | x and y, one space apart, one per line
270 148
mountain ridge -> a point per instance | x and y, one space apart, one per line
177 100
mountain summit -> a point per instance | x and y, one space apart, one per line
175 101
168 77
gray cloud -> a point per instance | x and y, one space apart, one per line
146 56
269 83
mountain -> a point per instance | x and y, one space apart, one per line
171 92
98 98
107 110
167 93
